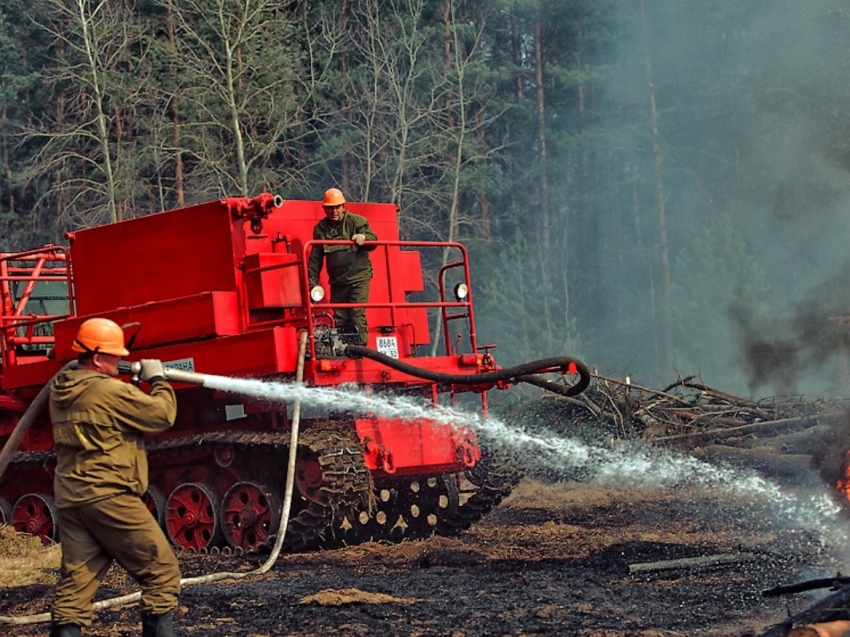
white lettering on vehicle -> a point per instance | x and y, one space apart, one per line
183 364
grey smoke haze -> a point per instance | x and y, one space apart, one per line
753 99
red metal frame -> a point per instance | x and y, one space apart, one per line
393 305
30 267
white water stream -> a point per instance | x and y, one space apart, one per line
629 463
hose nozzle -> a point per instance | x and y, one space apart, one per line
130 368
134 368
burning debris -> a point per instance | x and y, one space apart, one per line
826 618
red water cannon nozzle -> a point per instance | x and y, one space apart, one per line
254 210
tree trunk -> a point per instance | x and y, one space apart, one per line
483 200
235 121
542 150
8 169
179 191
666 339
100 114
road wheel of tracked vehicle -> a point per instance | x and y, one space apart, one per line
426 502
5 511
379 522
154 500
309 475
34 513
250 515
192 517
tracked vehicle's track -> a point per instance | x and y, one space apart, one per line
495 480
347 507
346 485
412 508
316 522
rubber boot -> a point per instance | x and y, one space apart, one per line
158 625
65 630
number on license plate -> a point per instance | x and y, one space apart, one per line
388 346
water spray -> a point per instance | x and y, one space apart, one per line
638 465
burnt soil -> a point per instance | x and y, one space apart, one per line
552 559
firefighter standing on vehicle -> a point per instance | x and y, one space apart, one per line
99 423
349 267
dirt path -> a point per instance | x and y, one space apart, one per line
553 559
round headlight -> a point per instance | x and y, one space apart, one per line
317 293
461 291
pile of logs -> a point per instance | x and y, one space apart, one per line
783 437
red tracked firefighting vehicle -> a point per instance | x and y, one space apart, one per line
221 288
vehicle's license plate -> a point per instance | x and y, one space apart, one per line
388 346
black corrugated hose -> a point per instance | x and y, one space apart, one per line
525 373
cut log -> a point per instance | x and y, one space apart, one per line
685 563
807 441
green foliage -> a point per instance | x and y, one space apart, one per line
525 313
524 128
715 273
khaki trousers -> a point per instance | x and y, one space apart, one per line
352 293
119 529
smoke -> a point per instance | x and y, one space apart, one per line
751 112
809 340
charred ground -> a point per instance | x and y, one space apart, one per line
554 559
559 556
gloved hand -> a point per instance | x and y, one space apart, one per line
151 369
358 238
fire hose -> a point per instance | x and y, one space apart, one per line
525 373
195 379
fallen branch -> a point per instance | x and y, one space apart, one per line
716 393
807 421
648 390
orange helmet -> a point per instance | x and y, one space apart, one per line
100 336
333 197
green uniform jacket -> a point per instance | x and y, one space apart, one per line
98 428
345 263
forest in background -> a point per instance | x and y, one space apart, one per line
658 187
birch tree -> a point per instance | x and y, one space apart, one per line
238 92
87 149
414 110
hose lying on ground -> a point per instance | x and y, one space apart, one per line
214 577
524 373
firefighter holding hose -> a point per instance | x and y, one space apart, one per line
99 423
349 267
